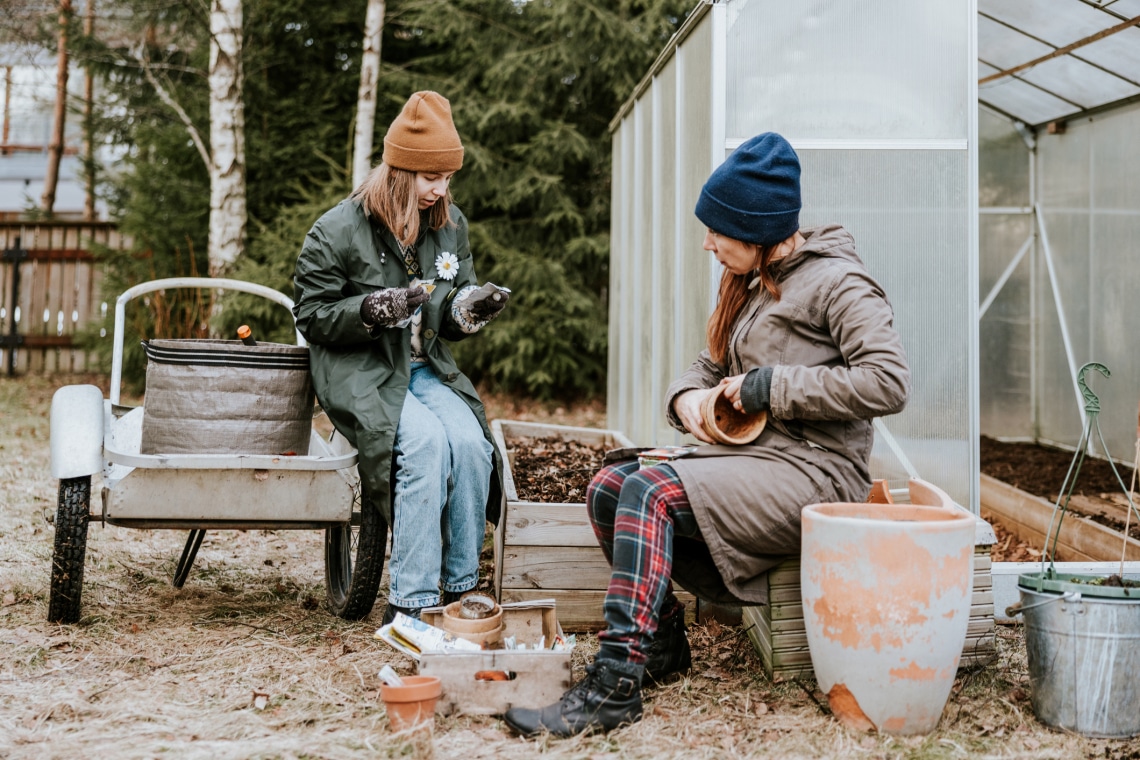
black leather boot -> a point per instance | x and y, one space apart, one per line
668 651
604 699
391 610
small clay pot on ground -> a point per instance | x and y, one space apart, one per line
724 424
413 703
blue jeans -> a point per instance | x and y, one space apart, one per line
443 477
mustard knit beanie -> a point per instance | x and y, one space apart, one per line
423 137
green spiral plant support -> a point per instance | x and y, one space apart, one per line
1092 422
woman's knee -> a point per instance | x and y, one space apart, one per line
650 489
602 492
424 443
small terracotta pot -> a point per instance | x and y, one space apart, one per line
724 424
482 631
413 703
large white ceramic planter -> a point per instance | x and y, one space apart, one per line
886 592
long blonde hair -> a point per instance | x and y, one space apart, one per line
734 294
389 194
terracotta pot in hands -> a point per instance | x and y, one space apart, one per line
724 424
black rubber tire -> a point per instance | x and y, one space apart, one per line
354 563
71 519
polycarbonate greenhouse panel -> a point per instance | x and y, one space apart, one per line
1059 411
1003 47
1076 60
695 160
1119 53
1006 329
1091 205
868 70
621 240
1058 22
1078 82
666 250
1003 165
1022 100
642 293
659 276
910 214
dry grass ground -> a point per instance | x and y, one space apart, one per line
152 671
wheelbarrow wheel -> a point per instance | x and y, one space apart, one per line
71 518
354 563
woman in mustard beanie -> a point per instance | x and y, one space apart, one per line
383 279
800 332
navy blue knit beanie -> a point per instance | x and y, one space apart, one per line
754 195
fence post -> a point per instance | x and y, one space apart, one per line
13 340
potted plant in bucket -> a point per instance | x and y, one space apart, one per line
1082 632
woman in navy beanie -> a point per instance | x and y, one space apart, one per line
800 332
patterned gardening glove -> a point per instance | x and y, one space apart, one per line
474 307
384 308
486 302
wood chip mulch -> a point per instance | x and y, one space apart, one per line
553 470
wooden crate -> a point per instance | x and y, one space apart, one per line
777 630
545 550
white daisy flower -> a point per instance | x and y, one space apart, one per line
447 265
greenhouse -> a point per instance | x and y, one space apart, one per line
981 156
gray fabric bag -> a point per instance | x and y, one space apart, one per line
224 397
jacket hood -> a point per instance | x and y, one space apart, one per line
829 241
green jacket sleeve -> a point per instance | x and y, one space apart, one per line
327 314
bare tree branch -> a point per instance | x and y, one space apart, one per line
140 56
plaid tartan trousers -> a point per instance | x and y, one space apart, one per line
635 514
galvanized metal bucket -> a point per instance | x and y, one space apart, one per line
1084 659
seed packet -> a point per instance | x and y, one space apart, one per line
650 457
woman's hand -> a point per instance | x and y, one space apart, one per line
688 408
730 386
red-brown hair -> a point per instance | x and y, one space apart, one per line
389 194
732 298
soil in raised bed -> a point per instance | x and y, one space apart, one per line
556 471
1041 471
553 470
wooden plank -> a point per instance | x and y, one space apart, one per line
555 567
1028 516
1092 505
534 524
539 678
578 610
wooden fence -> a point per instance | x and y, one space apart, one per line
49 290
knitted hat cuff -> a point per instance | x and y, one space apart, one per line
750 227
410 159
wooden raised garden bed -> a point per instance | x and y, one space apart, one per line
547 550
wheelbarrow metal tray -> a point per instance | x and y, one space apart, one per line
229 490
231 495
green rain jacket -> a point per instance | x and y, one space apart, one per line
361 377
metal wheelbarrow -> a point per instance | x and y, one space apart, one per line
200 492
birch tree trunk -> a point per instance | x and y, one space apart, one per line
55 148
366 99
227 137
